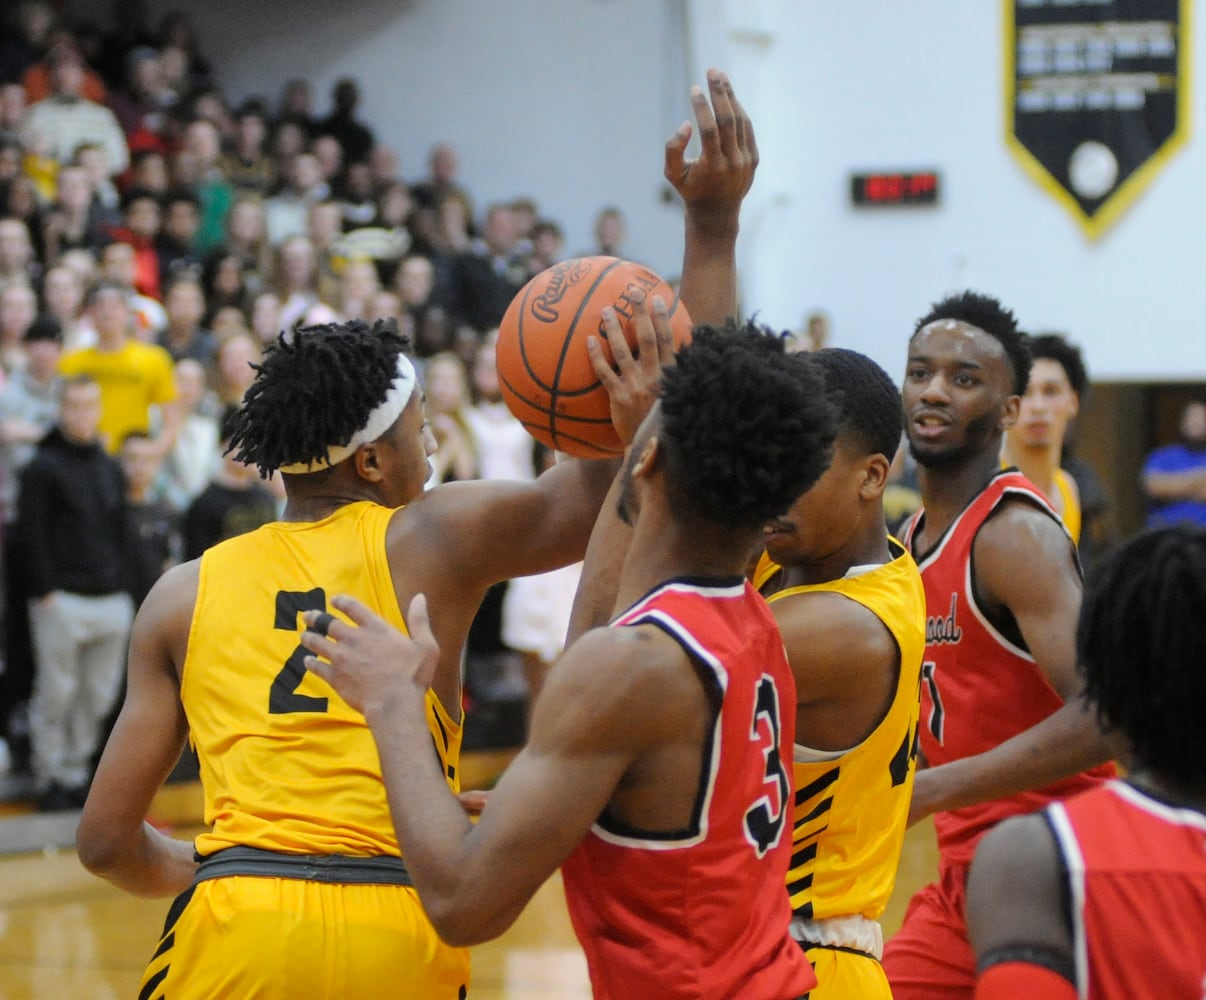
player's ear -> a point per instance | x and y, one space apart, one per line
649 457
875 471
1009 416
367 462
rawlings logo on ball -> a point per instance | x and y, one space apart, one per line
563 277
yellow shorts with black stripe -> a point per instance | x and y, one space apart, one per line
278 939
843 974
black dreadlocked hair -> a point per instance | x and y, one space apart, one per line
987 314
1057 348
745 431
1139 640
315 388
866 399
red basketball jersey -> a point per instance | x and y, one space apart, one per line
702 912
978 687
1137 879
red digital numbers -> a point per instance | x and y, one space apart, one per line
895 188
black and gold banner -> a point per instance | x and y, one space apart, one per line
1097 97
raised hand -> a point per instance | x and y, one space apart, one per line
632 382
715 182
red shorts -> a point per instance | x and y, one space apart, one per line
930 957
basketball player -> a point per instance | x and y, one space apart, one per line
850 605
1003 729
1058 901
656 769
1035 443
299 826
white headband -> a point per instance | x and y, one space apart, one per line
379 421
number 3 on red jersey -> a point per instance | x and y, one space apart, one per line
764 819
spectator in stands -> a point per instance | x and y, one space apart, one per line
296 276
155 525
266 317
12 110
200 170
233 372
142 103
504 448
548 246
117 265
329 154
185 337
1174 476
17 260
177 33
149 170
38 80
491 272
234 502
63 300
26 37
135 378
358 198
247 236
18 308
446 388
73 522
444 165
176 243
94 158
68 119
296 105
74 220
287 211
194 457
610 232
359 281
356 138
141 218
248 166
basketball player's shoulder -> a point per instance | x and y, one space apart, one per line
828 634
1018 526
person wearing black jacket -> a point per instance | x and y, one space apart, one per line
73 524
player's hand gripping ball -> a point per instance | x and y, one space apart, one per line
544 370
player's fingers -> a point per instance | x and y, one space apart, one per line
601 363
320 623
676 148
621 353
748 142
663 330
357 611
722 108
646 334
418 624
317 643
318 667
709 141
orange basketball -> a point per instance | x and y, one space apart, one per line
544 370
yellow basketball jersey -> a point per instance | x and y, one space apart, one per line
1070 502
286 765
851 806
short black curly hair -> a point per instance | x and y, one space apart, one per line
1056 347
865 397
1139 642
315 388
987 314
745 430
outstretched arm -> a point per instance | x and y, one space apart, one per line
712 188
585 734
1045 602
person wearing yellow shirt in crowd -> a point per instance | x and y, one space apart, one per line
133 376
1035 443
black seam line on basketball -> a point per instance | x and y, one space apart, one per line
529 425
565 346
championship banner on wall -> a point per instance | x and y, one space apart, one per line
1097 96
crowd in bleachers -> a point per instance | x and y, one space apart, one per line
154 236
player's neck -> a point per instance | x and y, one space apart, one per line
664 549
947 490
1168 790
306 507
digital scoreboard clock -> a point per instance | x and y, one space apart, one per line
919 188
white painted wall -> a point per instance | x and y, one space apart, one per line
570 100
870 84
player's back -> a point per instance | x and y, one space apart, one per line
701 911
1137 873
286 765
